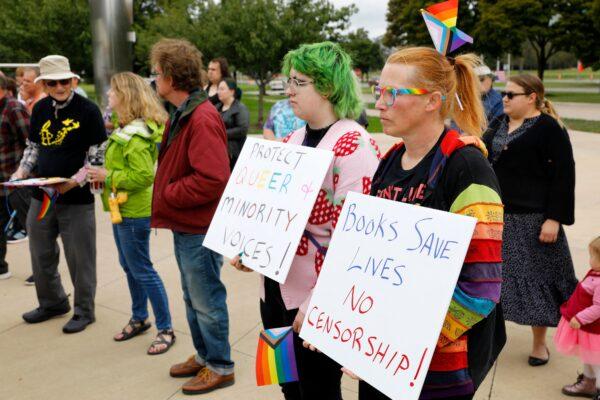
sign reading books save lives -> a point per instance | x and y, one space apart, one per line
384 289
266 204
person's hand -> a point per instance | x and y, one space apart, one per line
309 346
236 262
64 187
574 323
549 231
351 374
298 322
19 174
97 174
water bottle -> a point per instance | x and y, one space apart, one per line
95 187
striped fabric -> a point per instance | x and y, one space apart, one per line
476 294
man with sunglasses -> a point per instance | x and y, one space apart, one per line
64 126
492 101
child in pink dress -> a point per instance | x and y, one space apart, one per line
578 332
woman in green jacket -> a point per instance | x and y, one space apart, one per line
129 173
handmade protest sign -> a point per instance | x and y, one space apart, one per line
266 204
385 288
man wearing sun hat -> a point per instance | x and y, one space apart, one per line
492 101
64 126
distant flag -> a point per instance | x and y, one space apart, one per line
275 357
441 19
580 67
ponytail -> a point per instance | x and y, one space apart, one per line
470 118
548 108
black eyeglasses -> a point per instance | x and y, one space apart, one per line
63 82
511 95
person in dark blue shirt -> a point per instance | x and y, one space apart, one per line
492 101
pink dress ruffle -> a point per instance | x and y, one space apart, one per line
575 342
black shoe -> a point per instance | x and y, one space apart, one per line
44 314
538 362
29 281
77 324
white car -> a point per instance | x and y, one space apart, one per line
277 85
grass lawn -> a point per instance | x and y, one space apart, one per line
575 97
582 125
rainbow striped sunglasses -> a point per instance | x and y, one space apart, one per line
389 93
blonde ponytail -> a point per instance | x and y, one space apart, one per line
548 108
470 118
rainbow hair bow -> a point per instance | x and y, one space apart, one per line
441 19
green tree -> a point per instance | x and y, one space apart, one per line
366 53
32 29
255 35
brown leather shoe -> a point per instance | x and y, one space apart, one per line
186 369
583 387
207 381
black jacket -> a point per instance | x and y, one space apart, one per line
537 170
237 122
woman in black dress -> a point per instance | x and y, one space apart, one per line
532 156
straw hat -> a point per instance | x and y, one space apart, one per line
54 68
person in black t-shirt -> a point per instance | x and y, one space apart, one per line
436 167
64 126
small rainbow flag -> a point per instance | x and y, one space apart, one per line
275 357
50 196
441 19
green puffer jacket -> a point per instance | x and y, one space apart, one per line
130 157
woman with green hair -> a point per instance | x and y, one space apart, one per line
324 92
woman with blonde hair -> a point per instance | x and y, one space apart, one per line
434 166
532 156
129 169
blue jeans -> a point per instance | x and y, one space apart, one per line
132 237
204 295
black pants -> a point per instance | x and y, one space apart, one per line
368 392
320 376
4 217
20 200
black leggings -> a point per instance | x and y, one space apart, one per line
320 376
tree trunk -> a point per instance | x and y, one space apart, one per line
262 91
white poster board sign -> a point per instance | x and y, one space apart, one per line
266 204
384 290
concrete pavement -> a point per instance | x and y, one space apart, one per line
39 361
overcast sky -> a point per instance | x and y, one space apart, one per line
371 15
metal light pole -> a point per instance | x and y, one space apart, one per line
112 41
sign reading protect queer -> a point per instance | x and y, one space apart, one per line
266 204
384 289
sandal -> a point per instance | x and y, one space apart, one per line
137 327
161 339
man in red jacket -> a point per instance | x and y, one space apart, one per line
193 169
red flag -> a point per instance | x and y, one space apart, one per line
579 66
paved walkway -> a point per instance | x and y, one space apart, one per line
40 362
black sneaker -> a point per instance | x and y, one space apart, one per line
44 314
77 324
16 237
5 275
29 281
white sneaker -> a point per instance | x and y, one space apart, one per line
5 275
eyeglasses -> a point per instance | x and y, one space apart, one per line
511 95
296 83
389 93
63 82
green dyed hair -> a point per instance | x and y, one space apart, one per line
330 67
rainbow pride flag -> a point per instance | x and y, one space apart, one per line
441 19
50 196
275 357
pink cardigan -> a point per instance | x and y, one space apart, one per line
591 285
356 157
